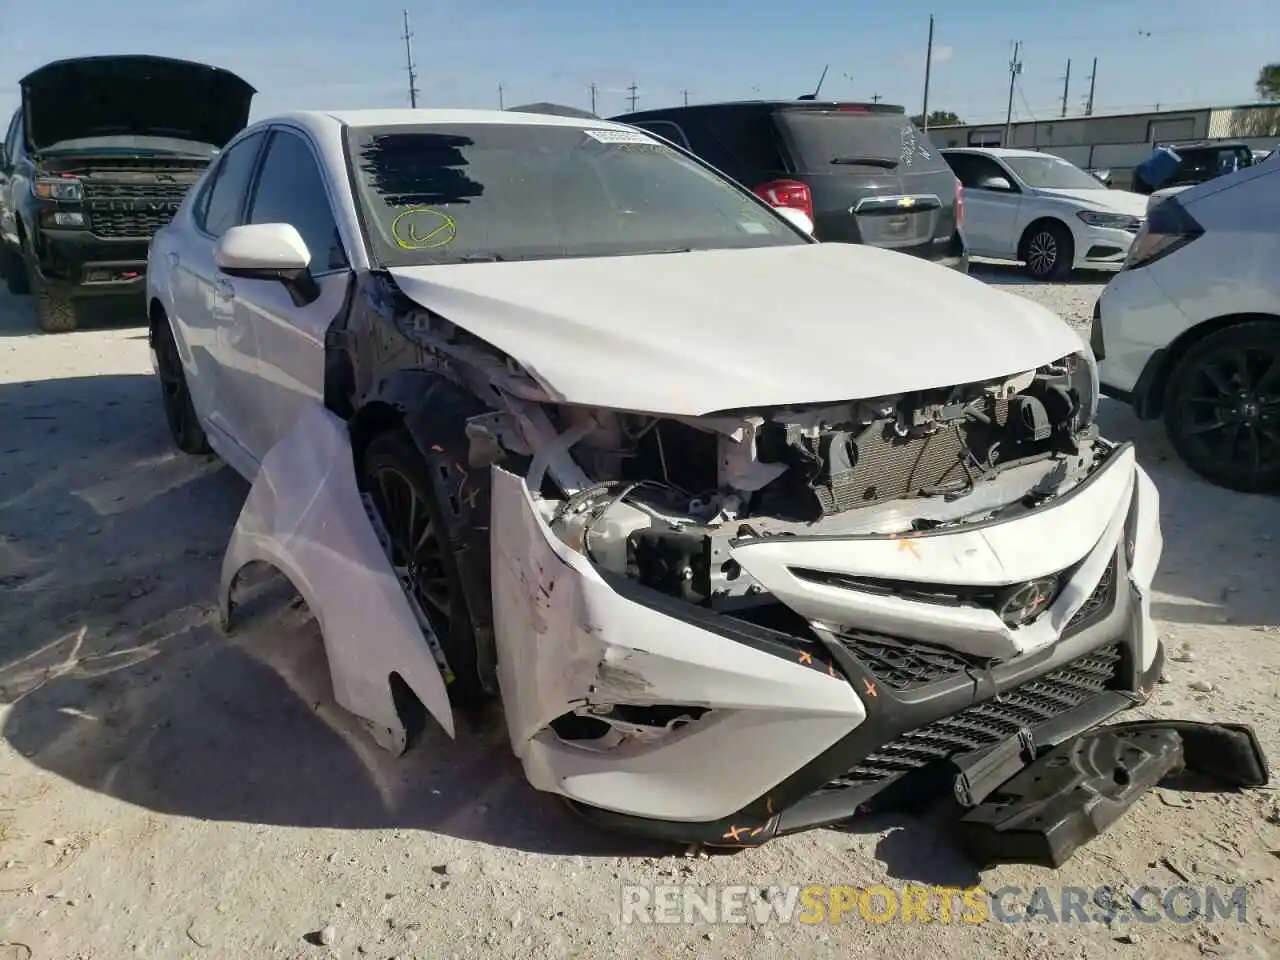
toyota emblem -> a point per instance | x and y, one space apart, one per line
1023 602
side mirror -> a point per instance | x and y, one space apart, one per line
797 218
996 183
268 251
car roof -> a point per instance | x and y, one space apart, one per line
883 108
999 152
320 119
1204 144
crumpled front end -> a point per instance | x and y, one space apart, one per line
720 629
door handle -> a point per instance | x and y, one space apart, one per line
173 259
225 290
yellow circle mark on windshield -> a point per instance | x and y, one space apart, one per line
421 228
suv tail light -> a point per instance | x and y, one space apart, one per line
787 193
959 204
1168 228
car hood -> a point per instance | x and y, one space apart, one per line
1108 201
696 333
133 96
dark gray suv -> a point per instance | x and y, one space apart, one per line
863 173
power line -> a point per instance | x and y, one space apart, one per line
1101 38
408 60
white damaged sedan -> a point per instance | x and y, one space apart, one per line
740 527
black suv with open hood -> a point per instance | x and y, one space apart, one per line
98 158
861 172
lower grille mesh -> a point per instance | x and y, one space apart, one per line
986 724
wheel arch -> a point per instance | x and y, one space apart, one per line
1044 220
1149 399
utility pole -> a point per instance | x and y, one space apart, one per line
633 96
685 93
1093 77
408 59
593 98
928 64
1066 88
1015 68
500 104
876 98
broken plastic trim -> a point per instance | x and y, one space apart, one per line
1074 792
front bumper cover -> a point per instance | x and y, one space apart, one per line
789 733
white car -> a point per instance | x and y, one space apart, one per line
1189 330
741 527
1043 211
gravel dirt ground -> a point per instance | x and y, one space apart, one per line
170 792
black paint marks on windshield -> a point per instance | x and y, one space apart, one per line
419 169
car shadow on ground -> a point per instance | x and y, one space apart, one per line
116 676
18 319
1003 273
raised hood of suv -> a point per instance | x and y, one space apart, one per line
695 333
133 96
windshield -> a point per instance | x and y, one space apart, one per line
462 193
827 141
1047 172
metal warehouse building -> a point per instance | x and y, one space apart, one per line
1119 142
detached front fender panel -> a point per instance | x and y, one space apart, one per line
305 517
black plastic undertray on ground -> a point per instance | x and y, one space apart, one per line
1076 790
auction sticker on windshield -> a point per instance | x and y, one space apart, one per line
620 136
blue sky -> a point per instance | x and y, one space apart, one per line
333 54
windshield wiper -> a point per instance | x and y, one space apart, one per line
885 162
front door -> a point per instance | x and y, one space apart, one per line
290 338
990 213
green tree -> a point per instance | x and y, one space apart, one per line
1268 84
938 118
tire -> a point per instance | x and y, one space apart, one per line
1048 250
179 410
55 313
14 271
399 480
1222 407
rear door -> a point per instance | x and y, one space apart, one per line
874 176
223 352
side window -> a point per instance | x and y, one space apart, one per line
749 142
962 166
984 167
291 190
665 128
219 209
